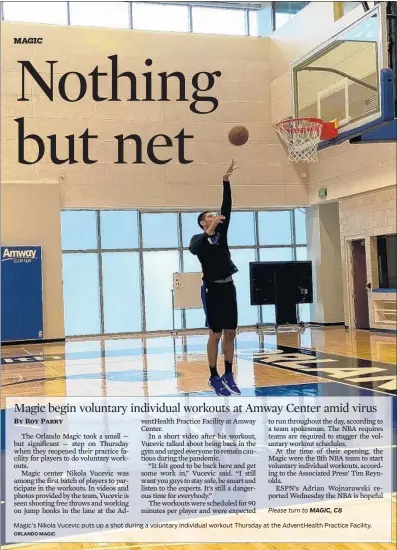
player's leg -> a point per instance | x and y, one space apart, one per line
212 351
215 381
213 337
212 303
229 336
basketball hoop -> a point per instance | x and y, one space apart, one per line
303 135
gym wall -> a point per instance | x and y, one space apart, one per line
265 179
366 216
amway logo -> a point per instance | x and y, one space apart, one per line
16 254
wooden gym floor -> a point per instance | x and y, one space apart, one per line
358 363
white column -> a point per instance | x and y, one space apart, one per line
324 251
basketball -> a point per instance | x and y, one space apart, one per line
238 135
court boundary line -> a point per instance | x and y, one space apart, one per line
324 378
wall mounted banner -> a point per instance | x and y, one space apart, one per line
21 293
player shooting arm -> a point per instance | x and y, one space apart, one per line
197 243
226 208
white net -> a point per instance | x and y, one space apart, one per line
302 137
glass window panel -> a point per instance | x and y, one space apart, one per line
290 7
159 268
301 253
304 313
81 294
275 227
119 229
195 318
241 230
269 314
300 225
100 14
191 263
36 12
159 17
79 230
218 21
159 230
247 314
253 22
121 292
284 11
348 6
189 226
275 254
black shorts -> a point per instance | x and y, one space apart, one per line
220 306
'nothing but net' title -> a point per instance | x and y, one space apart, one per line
102 86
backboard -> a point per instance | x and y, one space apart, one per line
348 79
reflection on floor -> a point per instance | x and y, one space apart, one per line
318 362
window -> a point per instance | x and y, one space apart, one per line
190 226
342 8
191 263
218 21
276 254
304 313
387 261
242 230
301 253
121 292
159 230
80 276
100 14
247 314
119 229
253 23
239 19
268 314
36 12
275 227
349 6
103 258
158 269
195 318
284 11
300 225
160 17
79 230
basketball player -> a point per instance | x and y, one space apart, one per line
218 291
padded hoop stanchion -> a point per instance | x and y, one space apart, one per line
303 135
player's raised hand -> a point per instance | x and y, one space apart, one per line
214 224
232 168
